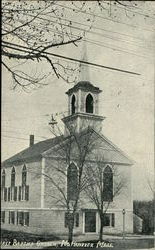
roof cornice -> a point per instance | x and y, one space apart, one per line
84 85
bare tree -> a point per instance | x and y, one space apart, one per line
101 179
75 147
31 29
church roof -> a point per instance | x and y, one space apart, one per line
32 152
112 153
85 85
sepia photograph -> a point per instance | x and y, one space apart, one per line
77 134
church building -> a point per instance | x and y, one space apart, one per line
32 202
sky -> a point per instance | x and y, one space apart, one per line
127 101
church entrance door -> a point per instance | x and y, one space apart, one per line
90 221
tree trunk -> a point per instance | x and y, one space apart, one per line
70 235
70 227
101 228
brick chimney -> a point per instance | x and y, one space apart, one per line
31 140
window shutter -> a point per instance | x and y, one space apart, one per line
12 193
17 217
77 220
9 194
27 218
5 194
22 193
111 188
9 217
22 218
3 217
19 194
13 217
113 220
2 192
26 193
15 193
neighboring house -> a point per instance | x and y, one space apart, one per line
28 199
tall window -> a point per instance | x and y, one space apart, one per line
3 189
73 104
89 104
24 175
13 175
108 184
12 192
3 178
72 181
24 189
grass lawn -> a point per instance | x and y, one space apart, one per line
25 237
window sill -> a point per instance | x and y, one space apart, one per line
108 227
12 201
90 232
16 201
19 225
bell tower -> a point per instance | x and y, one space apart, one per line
83 102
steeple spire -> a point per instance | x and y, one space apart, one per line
83 101
84 68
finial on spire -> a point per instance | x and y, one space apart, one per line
84 68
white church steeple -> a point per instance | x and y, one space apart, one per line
83 102
84 68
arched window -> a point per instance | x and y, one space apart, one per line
73 105
108 184
89 104
3 178
72 181
13 175
24 175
